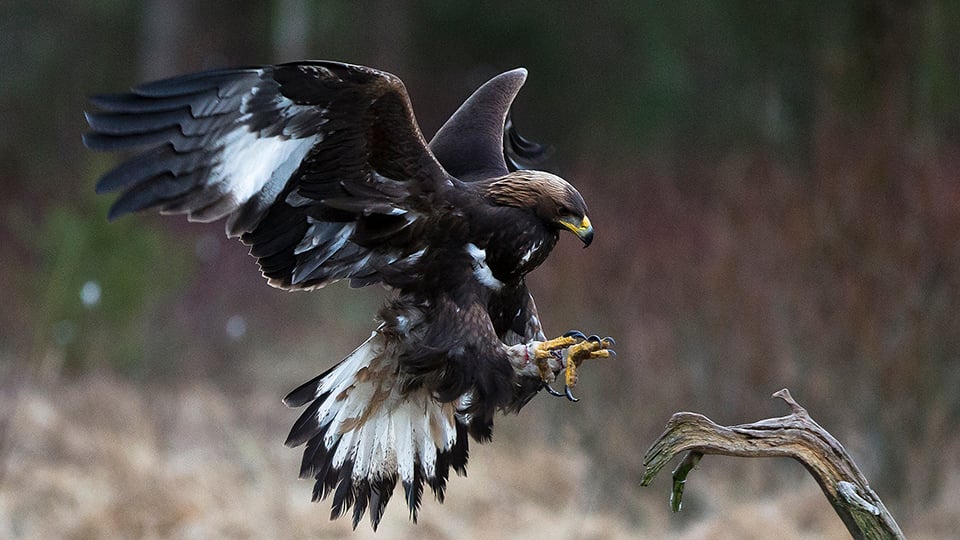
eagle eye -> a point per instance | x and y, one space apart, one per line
563 211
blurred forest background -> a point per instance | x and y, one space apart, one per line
776 192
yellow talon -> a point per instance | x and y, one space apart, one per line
545 349
546 374
567 353
570 373
592 348
584 350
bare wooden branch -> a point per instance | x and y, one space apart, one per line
795 436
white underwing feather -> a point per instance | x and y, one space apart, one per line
248 162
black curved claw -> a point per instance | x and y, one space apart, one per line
595 338
569 392
550 390
610 340
575 334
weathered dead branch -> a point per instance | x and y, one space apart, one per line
795 436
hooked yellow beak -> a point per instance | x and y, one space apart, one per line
582 228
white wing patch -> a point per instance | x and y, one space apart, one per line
248 162
480 268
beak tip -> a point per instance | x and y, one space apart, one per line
583 229
587 239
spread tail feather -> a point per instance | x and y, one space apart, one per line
363 435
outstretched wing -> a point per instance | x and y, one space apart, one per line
319 166
479 140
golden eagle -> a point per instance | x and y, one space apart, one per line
321 169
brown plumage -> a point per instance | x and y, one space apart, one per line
529 188
321 169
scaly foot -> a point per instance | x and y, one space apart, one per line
569 351
592 347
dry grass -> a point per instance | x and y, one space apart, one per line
100 457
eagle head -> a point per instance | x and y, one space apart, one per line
550 197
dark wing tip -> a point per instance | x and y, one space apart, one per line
116 212
193 83
469 145
87 138
306 427
522 153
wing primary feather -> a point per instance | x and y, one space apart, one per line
222 205
133 103
223 81
123 123
161 190
160 160
104 142
198 197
